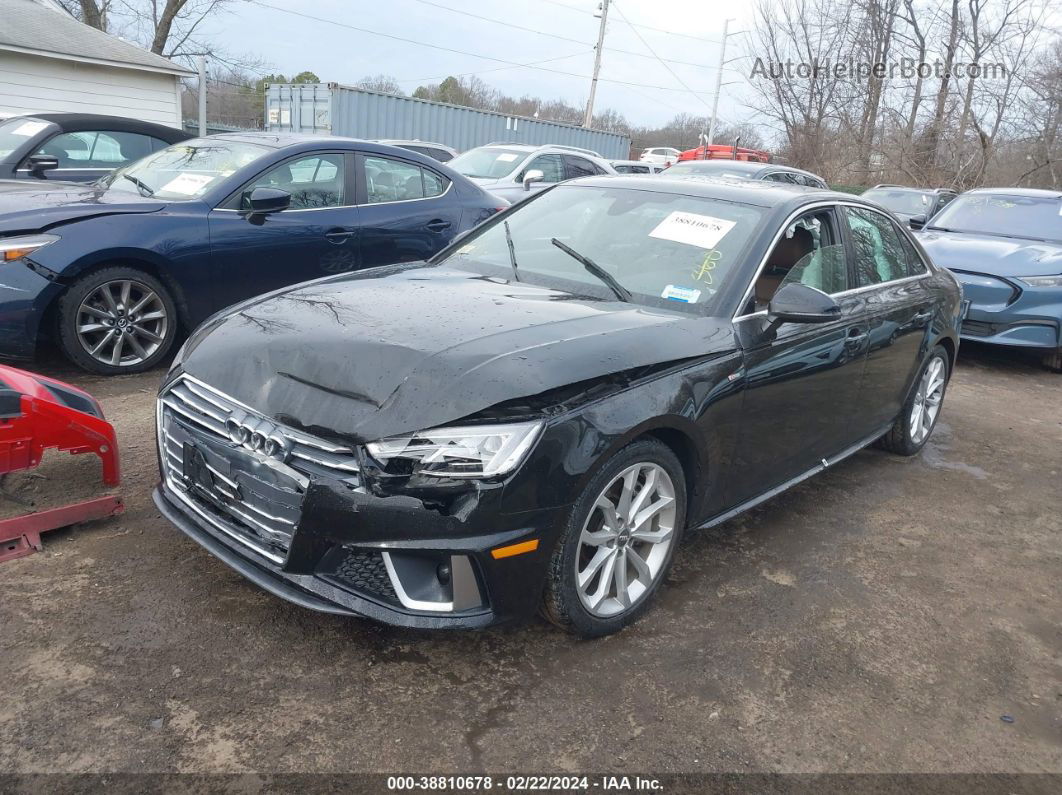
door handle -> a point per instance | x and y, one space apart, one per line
338 236
439 225
855 336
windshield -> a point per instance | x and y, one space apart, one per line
15 132
902 200
665 249
706 169
487 162
1030 217
184 171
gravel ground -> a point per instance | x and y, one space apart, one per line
883 616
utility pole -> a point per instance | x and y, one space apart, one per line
589 117
202 96
718 87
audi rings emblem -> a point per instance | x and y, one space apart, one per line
258 437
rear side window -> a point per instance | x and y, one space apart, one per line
389 180
580 167
879 253
915 265
785 177
98 149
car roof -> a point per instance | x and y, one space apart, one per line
1032 193
911 187
730 165
640 163
733 189
75 122
413 142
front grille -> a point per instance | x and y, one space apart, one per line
978 328
361 570
231 481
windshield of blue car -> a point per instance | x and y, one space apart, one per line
665 249
15 132
184 171
487 162
1028 217
903 200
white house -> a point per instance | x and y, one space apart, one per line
51 62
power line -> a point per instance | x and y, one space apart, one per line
633 24
496 68
514 26
456 51
681 82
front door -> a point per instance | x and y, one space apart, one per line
408 212
801 380
316 236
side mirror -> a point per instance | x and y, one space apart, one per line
798 303
917 221
38 164
534 175
263 201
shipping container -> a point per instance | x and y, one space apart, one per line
332 109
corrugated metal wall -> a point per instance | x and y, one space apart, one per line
331 109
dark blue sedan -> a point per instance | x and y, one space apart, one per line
117 269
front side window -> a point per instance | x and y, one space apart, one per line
15 133
389 180
91 149
666 249
879 254
809 252
186 170
551 166
313 182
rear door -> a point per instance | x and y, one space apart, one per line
890 273
316 236
408 211
575 167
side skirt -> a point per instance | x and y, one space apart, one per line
826 464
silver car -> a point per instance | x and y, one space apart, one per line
515 171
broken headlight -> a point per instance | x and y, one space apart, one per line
471 451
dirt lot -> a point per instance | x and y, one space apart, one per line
881 617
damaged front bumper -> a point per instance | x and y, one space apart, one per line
302 518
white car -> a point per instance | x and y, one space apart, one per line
636 167
664 155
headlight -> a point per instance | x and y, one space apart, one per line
472 451
1042 281
13 248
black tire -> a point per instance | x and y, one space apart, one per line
71 301
561 602
1053 360
899 440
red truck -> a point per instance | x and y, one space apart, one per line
725 152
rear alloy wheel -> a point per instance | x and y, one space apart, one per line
619 542
117 320
919 416
1053 360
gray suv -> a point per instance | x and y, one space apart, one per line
515 171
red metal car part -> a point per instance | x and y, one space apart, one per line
37 414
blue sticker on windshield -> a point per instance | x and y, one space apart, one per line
686 295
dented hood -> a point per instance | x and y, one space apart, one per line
394 351
36 205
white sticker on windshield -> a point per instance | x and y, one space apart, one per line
692 229
507 157
685 294
186 184
28 128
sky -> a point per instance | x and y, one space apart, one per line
686 30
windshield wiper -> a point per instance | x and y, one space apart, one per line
140 185
512 249
621 292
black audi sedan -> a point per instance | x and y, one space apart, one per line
534 418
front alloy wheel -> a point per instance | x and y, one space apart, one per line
619 541
117 320
625 540
122 323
